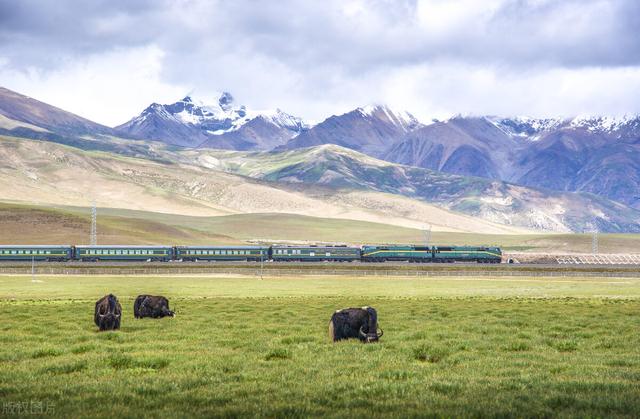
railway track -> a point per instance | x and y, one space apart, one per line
315 268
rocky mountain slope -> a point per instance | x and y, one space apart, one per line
54 174
597 155
223 125
22 114
371 130
340 168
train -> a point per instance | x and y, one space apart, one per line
275 253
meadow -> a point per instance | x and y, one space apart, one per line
240 346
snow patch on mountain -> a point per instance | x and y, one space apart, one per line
602 123
403 119
525 127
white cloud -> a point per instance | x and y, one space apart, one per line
433 57
108 88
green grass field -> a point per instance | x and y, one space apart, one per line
241 346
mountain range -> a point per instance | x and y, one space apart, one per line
192 122
550 174
600 155
596 155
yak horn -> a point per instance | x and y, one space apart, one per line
381 333
362 334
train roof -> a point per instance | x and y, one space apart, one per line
37 246
223 247
121 247
312 246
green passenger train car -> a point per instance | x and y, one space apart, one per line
409 253
315 253
467 254
39 253
222 253
139 253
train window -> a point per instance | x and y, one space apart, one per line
328 254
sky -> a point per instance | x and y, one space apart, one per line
107 60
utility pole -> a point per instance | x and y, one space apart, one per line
94 221
33 269
261 260
594 241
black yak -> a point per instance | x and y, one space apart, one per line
151 306
361 323
108 313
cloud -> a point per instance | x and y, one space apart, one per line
107 88
318 58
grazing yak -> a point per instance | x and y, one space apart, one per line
151 306
361 323
108 313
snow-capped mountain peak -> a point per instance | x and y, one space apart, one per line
524 126
603 123
195 120
399 118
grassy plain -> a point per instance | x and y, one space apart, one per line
240 346
33 224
